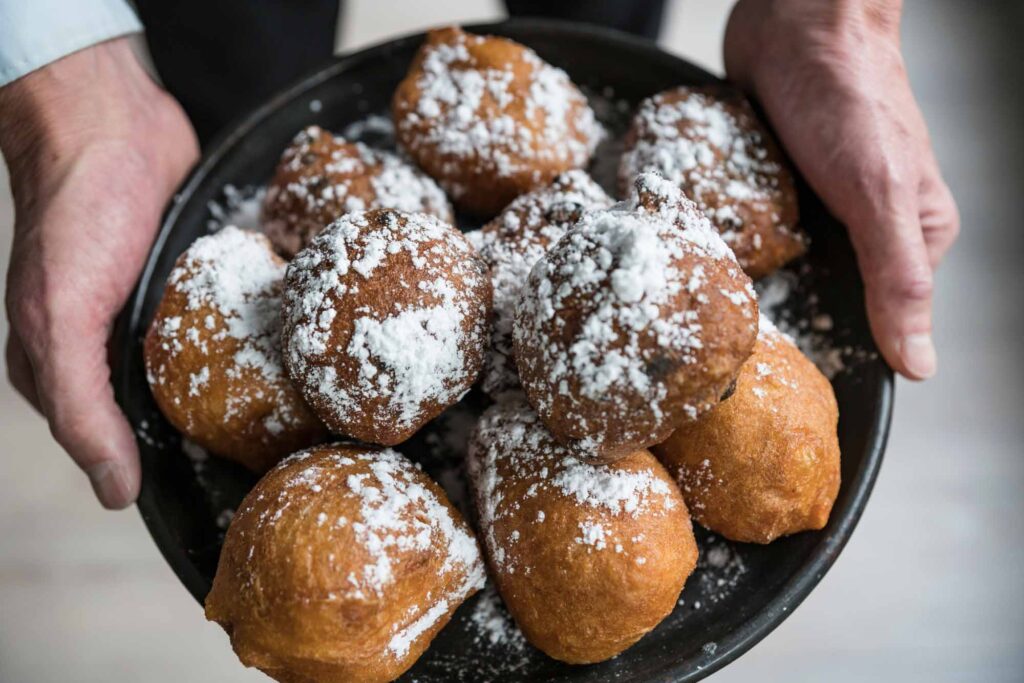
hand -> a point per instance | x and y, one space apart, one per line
832 82
95 149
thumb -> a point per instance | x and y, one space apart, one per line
72 377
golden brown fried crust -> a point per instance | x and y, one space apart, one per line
385 322
341 565
710 142
321 177
214 363
588 558
765 462
636 321
489 120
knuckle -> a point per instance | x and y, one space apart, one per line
882 17
951 220
912 285
886 185
893 181
38 307
955 227
16 378
67 427
23 311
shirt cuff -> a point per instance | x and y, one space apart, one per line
34 33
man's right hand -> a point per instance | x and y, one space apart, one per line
95 150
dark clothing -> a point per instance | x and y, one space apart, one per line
220 58
640 17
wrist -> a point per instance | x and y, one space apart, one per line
99 96
764 35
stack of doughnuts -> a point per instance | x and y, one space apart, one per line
630 380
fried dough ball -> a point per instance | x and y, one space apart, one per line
588 558
490 120
764 463
341 566
512 243
213 353
321 177
636 321
385 322
709 141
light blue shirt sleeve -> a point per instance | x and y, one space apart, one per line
34 33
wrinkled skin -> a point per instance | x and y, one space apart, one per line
95 150
833 84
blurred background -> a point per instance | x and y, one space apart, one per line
931 586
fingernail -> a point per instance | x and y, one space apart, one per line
110 482
918 353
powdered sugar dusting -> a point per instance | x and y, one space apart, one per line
488 117
321 177
512 243
231 282
512 445
812 330
376 130
599 486
498 650
402 354
398 515
237 207
420 348
493 623
623 271
720 570
715 149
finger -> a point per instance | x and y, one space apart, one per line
19 371
73 381
897 275
940 219
938 213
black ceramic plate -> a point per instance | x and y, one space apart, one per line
737 595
